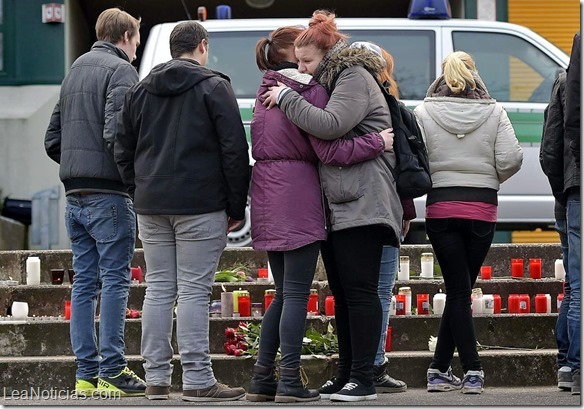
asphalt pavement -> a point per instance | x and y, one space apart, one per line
526 396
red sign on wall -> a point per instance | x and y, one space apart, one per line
53 13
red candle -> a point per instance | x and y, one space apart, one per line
513 304
400 304
540 303
423 303
67 310
268 298
524 303
388 342
486 272
559 301
535 268
136 273
329 305
244 304
313 301
497 304
262 273
517 267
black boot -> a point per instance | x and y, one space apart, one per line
291 389
263 384
384 383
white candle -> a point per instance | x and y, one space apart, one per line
559 271
427 265
477 305
404 268
270 276
548 307
488 304
33 271
438 303
407 291
392 308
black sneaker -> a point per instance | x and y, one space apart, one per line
329 387
126 383
576 382
354 391
384 383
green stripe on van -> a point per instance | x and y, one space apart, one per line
528 126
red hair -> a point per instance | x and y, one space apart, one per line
321 32
387 73
271 51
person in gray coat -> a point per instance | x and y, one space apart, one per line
100 218
364 208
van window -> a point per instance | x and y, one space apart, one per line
414 53
233 54
513 69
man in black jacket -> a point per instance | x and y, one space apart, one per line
572 139
100 220
182 152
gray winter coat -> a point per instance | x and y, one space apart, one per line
364 193
84 122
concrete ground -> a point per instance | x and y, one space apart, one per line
528 396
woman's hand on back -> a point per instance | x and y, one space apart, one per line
387 135
269 98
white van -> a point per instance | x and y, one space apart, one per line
517 65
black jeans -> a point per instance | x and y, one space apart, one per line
284 321
461 246
352 258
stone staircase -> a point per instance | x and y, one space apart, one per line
37 352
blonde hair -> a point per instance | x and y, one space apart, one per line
113 23
458 68
387 73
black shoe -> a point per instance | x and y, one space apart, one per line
354 391
291 388
263 384
331 386
126 383
384 383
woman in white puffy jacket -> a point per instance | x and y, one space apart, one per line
472 149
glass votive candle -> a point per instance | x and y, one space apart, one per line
535 268
57 276
423 304
517 267
486 272
256 309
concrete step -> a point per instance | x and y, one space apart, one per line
508 368
12 263
410 333
48 300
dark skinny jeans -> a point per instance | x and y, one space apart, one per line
461 246
352 258
284 321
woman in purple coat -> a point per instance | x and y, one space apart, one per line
287 213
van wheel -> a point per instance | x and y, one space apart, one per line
242 236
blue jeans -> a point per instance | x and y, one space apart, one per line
562 322
182 254
461 246
102 230
284 321
574 254
387 272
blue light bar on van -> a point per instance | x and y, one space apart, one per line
223 12
430 9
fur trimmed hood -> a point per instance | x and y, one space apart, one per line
341 57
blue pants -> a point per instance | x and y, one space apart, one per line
574 254
562 322
387 272
102 230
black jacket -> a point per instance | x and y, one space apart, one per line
181 147
83 123
553 151
572 116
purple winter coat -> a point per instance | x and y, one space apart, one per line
286 201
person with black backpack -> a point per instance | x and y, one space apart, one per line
472 149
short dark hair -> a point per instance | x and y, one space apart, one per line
185 37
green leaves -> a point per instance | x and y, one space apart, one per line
316 343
